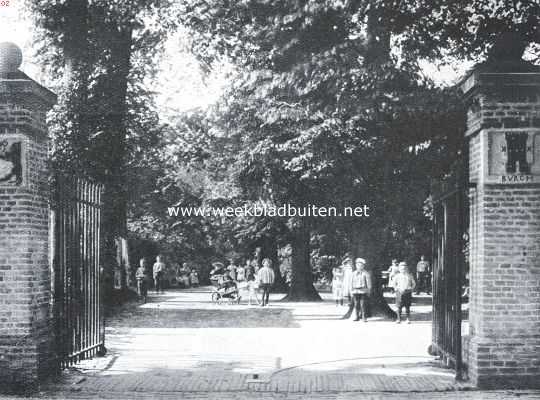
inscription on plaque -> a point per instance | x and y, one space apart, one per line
517 179
513 157
11 162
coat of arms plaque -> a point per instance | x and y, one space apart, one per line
11 163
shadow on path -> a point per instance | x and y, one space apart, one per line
195 317
163 346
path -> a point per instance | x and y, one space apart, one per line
181 345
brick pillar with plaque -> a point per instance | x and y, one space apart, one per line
502 97
26 352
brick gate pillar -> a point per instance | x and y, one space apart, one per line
503 132
25 326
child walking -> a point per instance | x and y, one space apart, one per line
140 276
404 284
337 284
361 289
393 270
252 286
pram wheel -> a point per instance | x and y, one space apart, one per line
216 298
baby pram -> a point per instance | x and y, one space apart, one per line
224 290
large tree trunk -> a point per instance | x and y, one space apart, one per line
113 147
378 306
302 288
368 247
70 151
75 47
369 244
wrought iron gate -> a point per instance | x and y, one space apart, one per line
450 218
79 323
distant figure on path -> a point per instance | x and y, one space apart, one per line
361 289
158 271
256 261
194 278
392 270
240 273
183 276
423 276
232 270
252 286
347 285
217 271
141 277
404 284
337 284
266 279
248 268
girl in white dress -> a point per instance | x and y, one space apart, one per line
337 284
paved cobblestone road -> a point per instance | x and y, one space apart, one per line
181 346
461 395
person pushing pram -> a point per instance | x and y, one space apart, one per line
224 286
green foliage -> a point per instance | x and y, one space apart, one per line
318 123
104 126
328 106
331 107
100 54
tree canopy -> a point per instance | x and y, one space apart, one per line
327 105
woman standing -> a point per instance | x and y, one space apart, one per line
252 286
232 270
240 274
392 271
337 284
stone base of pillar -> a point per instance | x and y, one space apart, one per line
500 363
26 363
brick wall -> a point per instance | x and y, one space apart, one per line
505 285
503 347
25 335
475 158
21 117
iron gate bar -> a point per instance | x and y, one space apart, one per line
79 325
449 221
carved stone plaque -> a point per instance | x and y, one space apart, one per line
11 161
513 156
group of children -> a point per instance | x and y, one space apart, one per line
248 278
354 284
158 272
423 275
185 277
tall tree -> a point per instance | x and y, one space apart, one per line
103 51
332 104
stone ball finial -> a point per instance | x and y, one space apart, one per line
10 57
